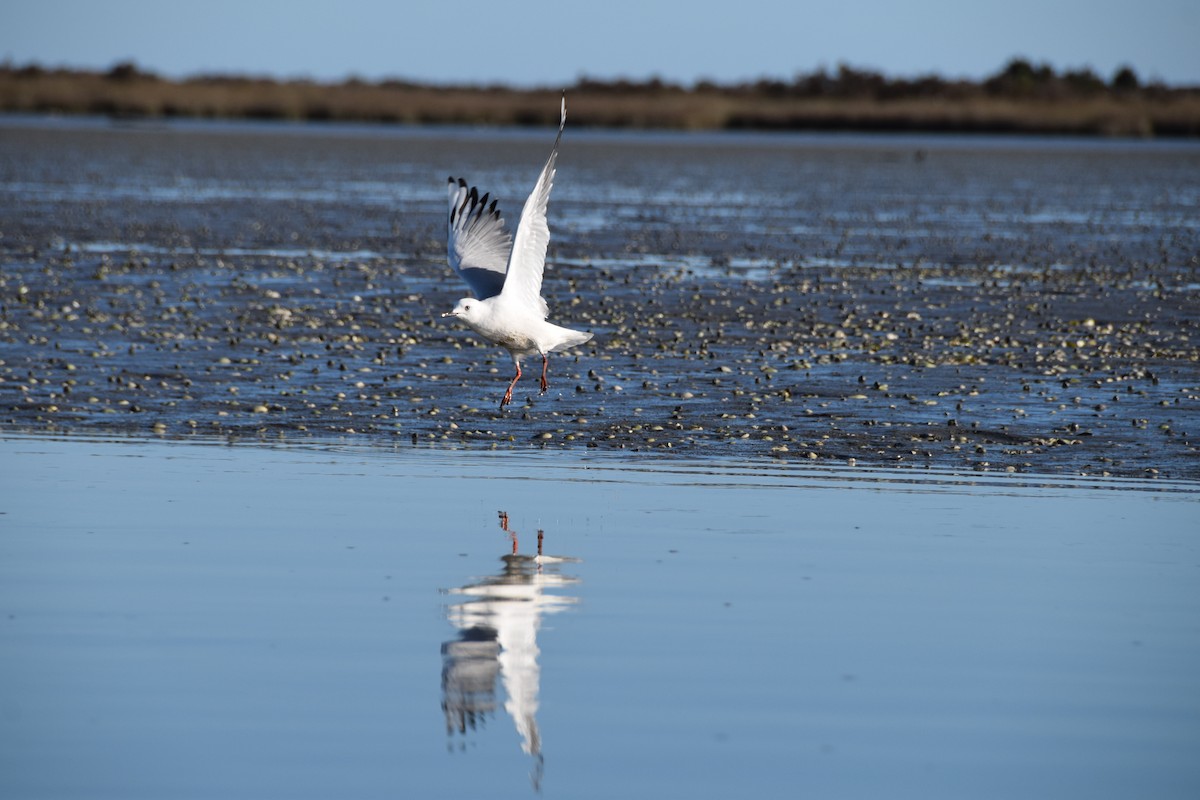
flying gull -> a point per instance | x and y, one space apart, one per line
505 271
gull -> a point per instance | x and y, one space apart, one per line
505 271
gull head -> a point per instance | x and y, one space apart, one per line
467 309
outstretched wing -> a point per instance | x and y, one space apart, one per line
477 245
523 282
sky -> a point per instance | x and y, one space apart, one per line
553 43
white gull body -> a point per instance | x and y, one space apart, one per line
505 271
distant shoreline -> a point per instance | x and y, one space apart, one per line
1022 98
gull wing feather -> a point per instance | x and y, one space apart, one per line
477 244
523 283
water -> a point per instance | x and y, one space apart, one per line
208 620
320 577
967 303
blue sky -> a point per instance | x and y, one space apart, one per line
554 42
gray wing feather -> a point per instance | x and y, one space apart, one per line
477 245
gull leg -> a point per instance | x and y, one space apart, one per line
545 363
512 535
508 395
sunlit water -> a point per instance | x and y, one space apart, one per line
244 621
988 303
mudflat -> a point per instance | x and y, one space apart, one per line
1007 304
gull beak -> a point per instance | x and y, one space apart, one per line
449 314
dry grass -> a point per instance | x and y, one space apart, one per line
131 93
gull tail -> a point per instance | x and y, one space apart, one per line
571 338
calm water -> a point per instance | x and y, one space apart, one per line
244 621
695 201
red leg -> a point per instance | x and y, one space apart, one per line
545 363
508 395
512 535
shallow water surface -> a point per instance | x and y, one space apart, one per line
192 620
955 302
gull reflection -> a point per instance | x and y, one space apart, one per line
498 621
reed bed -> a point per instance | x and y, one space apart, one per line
846 101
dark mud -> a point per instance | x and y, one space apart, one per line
960 304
